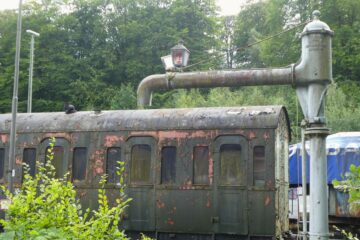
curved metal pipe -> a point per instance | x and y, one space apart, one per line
228 78
147 86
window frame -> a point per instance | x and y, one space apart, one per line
134 140
30 166
208 159
264 163
85 164
116 177
172 166
59 142
232 139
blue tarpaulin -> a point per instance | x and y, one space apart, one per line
343 149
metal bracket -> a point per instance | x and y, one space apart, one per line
169 76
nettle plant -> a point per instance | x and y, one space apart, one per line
47 208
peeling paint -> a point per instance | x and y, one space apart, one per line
98 162
252 135
266 136
267 200
160 204
208 203
111 140
4 138
82 194
65 135
187 185
211 170
170 221
182 134
18 161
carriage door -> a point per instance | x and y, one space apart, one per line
231 156
141 152
60 159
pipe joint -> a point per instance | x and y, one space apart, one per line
317 131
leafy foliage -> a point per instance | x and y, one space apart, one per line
47 208
95 47
351 184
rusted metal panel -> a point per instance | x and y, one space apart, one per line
262 212
183 206
187 211
342 206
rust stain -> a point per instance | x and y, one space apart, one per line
187 185
98 162
267 200
266 136
354 209
173 134
111 140
252 135
18 161
269 184
58 135
170 221
208 203
4 138
82 194
143 133
160 204
211 170
183 134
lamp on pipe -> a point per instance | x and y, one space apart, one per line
33 35
180 55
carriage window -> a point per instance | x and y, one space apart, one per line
168 165
58 160
79 163
29 157
113 156
230 164
140 163
201 165
259 165
2 161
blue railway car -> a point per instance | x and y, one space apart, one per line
343 150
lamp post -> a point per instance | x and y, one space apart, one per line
33 35
14 106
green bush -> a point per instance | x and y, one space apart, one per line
350 184
47 208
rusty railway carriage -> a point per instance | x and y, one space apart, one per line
206 173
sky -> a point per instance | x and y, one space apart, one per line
228 7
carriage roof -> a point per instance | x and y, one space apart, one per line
155 119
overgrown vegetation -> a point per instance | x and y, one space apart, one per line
350 184
47 208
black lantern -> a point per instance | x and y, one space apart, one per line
180 55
